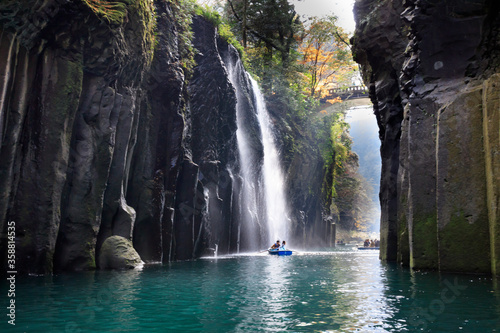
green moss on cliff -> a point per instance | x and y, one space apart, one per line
67 91
90 248
223 28
424 244
458 252
183 11
140 14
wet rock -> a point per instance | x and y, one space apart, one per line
212 136
118 253
67 111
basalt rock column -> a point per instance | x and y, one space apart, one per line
65 89
158 152
378 45
212 137
445 186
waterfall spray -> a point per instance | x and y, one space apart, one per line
262 207
247 184
274 181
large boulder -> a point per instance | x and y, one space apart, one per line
118 253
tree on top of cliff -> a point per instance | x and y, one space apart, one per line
268 30
325 54
271 22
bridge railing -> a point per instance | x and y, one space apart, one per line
348 92
344 90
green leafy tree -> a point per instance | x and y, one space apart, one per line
268 30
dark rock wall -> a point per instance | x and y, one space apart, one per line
102 135
65 89
158 153
213 137
431 68
305 176
105 133
310 222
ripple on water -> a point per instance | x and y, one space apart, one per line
336 291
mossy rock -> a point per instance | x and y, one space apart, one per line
118 253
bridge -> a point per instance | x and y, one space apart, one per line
347 93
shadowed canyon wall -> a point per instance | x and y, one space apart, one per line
432 68
102 134
106 131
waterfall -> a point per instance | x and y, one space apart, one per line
274 181
262 207
248 217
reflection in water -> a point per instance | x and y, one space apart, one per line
338 291
347 290
263 294
276 296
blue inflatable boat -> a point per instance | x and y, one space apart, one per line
279 252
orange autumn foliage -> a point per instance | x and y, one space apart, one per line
325 53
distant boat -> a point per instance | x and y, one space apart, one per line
279 252
368 248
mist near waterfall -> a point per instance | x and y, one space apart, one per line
262 204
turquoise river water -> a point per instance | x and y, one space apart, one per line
344 290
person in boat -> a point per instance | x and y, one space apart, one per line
283 246
367 243
276 245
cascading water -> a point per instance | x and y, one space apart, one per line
274 182
262 201
248 217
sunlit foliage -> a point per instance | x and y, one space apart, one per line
325 53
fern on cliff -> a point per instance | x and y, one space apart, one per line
183 11
141 12
114 11
223 28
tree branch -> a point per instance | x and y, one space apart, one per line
234 11
343 40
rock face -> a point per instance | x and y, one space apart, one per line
213 139
101 139
305 168
66 89
118 253
106 131
432 72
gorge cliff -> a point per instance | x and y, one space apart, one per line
112 124
102 133
432 69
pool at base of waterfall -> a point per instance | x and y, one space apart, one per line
340 290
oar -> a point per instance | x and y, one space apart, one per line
263 251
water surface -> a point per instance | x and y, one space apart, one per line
344 290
